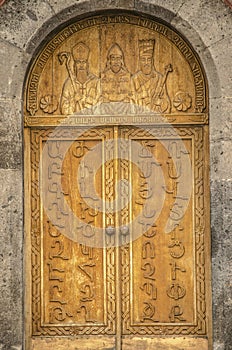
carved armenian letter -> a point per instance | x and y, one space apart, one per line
116 189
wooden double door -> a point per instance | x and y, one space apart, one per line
117 237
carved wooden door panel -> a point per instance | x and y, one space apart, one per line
162 291
122 261
73 262
116 190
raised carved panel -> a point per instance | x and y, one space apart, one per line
133 62
73 283
164 266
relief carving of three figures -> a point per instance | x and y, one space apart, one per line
83 89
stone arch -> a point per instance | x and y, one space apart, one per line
170 14
24 34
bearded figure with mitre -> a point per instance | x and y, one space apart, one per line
149 86
81 89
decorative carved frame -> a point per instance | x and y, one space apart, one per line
198 130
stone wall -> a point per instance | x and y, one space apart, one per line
24 24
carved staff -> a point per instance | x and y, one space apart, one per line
66 57
162 82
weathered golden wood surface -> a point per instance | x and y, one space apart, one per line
117 204
142 343
124 58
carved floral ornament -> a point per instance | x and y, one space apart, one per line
106 61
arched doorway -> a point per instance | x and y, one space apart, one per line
117 212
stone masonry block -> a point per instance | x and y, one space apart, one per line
216 216
11 236
15 66
217 19
20 19
171 5
10 155
72 11
221 161
221 261
225 161
223 61
151 8
59 5
10 121
114 4
10 134
215 154
220 116
227 209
